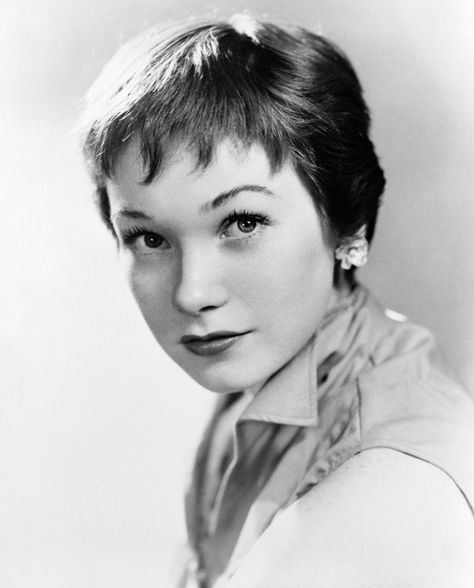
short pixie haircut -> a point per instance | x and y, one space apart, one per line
284 88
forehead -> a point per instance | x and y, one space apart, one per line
183 190
230 160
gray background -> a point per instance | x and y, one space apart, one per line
96 425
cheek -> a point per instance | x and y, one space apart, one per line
288 292
150 288
290 273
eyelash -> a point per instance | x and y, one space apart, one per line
129 236
239 215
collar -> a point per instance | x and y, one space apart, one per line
291 396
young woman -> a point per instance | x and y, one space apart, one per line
234 169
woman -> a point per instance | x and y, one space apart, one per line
234 168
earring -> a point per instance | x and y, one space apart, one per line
354 253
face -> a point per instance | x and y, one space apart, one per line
228 265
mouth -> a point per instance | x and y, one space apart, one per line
212 343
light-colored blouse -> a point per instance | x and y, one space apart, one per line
367 378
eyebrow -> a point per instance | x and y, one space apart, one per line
223 197
217 202
129 213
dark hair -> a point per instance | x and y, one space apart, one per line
287 89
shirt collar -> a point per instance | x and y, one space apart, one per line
291 396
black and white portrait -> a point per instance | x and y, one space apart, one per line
237 291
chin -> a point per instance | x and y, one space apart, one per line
224 381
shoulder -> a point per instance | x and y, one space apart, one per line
382 519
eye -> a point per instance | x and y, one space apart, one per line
152 240
141 239
247 225
244 224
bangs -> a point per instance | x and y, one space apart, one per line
196 84
194 89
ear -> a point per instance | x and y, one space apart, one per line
361 233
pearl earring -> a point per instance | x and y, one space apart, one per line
354 253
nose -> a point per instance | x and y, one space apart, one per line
198 285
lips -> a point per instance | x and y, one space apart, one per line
212 343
